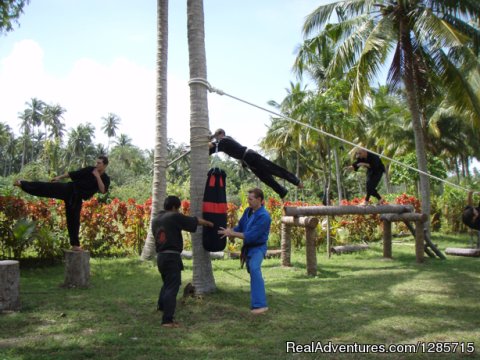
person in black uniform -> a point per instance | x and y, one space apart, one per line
167 229
85 183
263 168
375 170
470 215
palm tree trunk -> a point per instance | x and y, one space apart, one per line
159 186
338 173
411 89
203 279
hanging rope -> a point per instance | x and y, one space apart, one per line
221 92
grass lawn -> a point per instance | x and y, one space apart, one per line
356 298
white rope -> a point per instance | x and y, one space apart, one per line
221 92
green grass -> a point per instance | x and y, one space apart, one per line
355 298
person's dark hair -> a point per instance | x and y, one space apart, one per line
171 202
467 218
220 132
104 159
258 193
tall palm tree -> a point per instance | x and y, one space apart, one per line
110 126
420 33
26 130
203 279
52 118
80 147
159 185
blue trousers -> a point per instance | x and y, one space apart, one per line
254 261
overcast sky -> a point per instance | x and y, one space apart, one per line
94 57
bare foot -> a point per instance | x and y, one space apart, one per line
17 183
365 203
259 311
300 185
76 248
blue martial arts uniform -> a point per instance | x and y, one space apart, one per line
255 226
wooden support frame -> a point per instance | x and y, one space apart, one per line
310 224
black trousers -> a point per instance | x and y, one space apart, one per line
61 191
265 170
373 179
170 267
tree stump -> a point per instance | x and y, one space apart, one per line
9 285
77 269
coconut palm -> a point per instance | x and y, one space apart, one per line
52 118
110 126
420 33
159 185
80 148
203 279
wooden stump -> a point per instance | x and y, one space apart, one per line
77 269
9 285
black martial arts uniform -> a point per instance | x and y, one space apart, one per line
167 229
374 173
82 187
263 168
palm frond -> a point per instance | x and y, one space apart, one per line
375 50
459 84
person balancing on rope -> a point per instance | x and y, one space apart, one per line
85 183
263 168
470 215
375 170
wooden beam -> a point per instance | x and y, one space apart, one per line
404 217
304 221
346 210
340 249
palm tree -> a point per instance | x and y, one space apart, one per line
80 147
25 129
203 279
123 140
420 32
110 126
52 117
159 185
285 138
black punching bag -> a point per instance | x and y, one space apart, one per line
214 210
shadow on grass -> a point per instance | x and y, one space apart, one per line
358 298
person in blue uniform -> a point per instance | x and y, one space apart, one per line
167 229
253 228
375 170
263 168
85 183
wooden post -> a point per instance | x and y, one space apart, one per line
77 269
419 241
286 244
311 235
9 285
387 239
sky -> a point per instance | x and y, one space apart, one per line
95 57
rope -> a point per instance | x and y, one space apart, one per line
221 92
